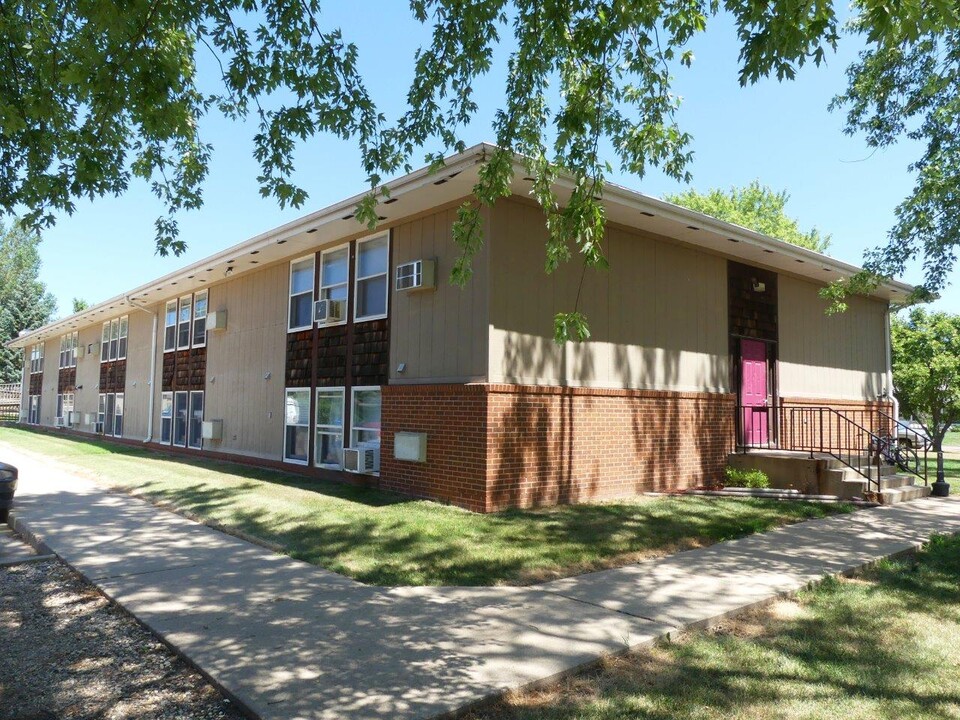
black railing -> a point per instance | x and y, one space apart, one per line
813 429
905 447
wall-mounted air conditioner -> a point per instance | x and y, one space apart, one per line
61 422
212 429
417 275
73 418
89 418
327 311
361 460
217 320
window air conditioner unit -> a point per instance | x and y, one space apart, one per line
217 320
361 460
73 418
417 275
98 428
327 311
61 422
212 430
89 418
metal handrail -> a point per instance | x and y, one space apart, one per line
818 429
906 456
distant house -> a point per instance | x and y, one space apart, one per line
337 352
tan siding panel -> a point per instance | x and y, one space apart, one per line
838 356
657 316
136 397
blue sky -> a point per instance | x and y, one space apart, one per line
781 134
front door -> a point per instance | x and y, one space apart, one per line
753 392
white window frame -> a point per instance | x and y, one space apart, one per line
309 426
353 413
188 321
105 343
63 400
328 429
36 359
190 411
313 286
102 411
118 402
167 325
193 327
186 429
357 279
122 338
322 293
68 350
33 410
163 396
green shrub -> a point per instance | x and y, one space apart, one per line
746 478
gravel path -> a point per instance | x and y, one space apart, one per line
67 653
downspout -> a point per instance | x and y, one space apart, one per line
887 348
153 367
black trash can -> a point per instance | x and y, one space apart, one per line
8 486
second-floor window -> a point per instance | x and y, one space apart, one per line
185 322
300 316
36 359
373 260
170 326
68 350
113 339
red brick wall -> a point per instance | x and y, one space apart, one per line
454 419
491 447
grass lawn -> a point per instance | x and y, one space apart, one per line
952 438
382 538
951 472
881 646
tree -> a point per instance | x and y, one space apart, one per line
25 303
926 370
756 207
96 94
79 305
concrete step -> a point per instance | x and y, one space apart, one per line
897 481
892 496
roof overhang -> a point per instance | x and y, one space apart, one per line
424 189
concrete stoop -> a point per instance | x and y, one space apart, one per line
826 475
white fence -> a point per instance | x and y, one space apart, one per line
10 401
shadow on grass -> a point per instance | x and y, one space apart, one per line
871 648
385 539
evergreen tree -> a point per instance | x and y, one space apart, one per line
25 303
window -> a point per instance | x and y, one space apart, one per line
328 450
335 276
36 359
113 339
183 323
195 430
296 439
200 319
118 416
68 350
166 417
102 411
365 418
373 259
33 411
110 414
301 294
64 406
170 327
180 418
124 327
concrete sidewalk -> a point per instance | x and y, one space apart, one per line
290 640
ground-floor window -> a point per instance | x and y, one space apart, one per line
195 430
110 414
296 436
33 410
180 410
365 418
328 450
166 417
64 408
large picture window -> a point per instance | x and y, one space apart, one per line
373 260
113 340
328 450
166 417
296 437
68 350
301 294
170 327
365 417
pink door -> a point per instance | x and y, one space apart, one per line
753 391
